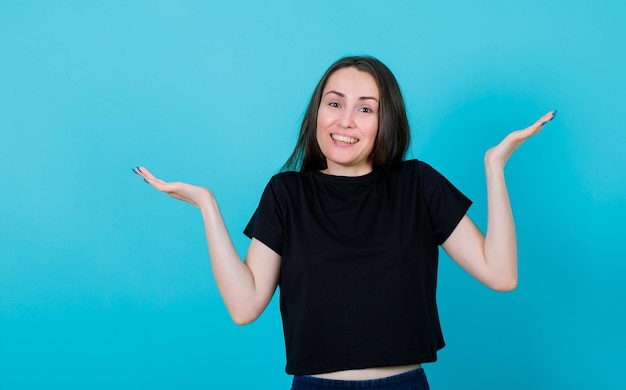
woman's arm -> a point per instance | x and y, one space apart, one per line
246 287
492 259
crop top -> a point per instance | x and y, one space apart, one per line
359 257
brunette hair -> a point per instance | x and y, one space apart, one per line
393 137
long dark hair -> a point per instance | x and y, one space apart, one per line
393 137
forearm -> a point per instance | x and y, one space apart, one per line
500 245
234 279
246 287
492 259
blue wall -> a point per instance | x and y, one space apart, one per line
105 283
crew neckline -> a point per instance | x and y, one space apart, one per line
344 179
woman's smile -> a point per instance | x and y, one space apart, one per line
347 122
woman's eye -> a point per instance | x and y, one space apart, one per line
366 109
334 104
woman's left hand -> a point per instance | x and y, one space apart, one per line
498 155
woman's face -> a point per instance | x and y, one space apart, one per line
347 122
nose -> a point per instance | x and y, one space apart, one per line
347 119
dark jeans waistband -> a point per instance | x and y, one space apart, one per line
411 380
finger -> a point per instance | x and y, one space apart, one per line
546 118
145 173
149 178
535 127
165 186
140 171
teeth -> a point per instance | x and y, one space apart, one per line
347 140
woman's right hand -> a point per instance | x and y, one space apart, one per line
189 193
246 286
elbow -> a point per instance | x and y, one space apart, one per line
244 317
241 321
506 285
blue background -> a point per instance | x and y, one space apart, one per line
105 283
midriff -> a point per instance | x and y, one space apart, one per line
368 373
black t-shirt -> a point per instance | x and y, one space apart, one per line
359 258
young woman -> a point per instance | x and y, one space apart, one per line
350 232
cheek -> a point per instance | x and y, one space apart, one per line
323 118
372 127
324 122
319 134
319 126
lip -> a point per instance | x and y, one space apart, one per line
343 139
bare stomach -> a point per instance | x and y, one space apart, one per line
368 373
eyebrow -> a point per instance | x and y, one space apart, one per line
343 95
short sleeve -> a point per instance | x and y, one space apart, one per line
445 203
266 224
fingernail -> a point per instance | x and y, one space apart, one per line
139 169
553 113
543 123
146 181
136 173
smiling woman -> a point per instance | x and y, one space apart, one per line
350 233
347 122
393 135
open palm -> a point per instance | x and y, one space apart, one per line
498 155
189 193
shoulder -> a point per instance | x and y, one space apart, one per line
288 178
290 182
418 165
416 175
410 168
